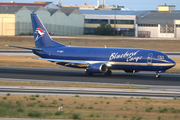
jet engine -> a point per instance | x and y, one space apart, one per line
97 68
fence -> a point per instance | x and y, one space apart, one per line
144 33
26 29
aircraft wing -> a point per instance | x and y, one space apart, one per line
67 62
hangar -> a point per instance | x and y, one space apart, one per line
15 20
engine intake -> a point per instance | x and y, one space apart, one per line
97 68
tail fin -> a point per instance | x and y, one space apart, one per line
41 35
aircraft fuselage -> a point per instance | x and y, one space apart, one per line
119 58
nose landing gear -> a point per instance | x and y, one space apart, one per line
158 75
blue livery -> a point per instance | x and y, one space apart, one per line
95 59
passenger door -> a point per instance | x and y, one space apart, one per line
149 58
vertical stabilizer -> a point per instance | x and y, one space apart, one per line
41 35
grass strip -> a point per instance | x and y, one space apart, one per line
37 106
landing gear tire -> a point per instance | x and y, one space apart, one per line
88 73
157 75
108 72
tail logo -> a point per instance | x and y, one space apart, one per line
39 33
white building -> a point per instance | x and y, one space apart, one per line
158 24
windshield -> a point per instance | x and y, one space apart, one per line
162 57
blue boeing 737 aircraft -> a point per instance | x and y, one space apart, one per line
95 59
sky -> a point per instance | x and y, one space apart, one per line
130 4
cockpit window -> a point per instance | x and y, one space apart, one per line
162 57
166 56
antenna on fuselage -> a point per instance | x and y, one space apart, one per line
105 46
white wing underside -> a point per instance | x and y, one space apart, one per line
67 62
82 64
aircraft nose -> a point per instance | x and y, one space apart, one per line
172 62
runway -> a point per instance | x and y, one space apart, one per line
95 92
167 81
168 86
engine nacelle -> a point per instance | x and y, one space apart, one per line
97 68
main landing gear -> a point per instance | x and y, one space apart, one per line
88 73
108 72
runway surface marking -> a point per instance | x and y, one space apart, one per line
72 91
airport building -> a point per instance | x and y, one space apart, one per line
15 19
99 6
123 21
165 22
156 24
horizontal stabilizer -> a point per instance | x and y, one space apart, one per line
37 49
